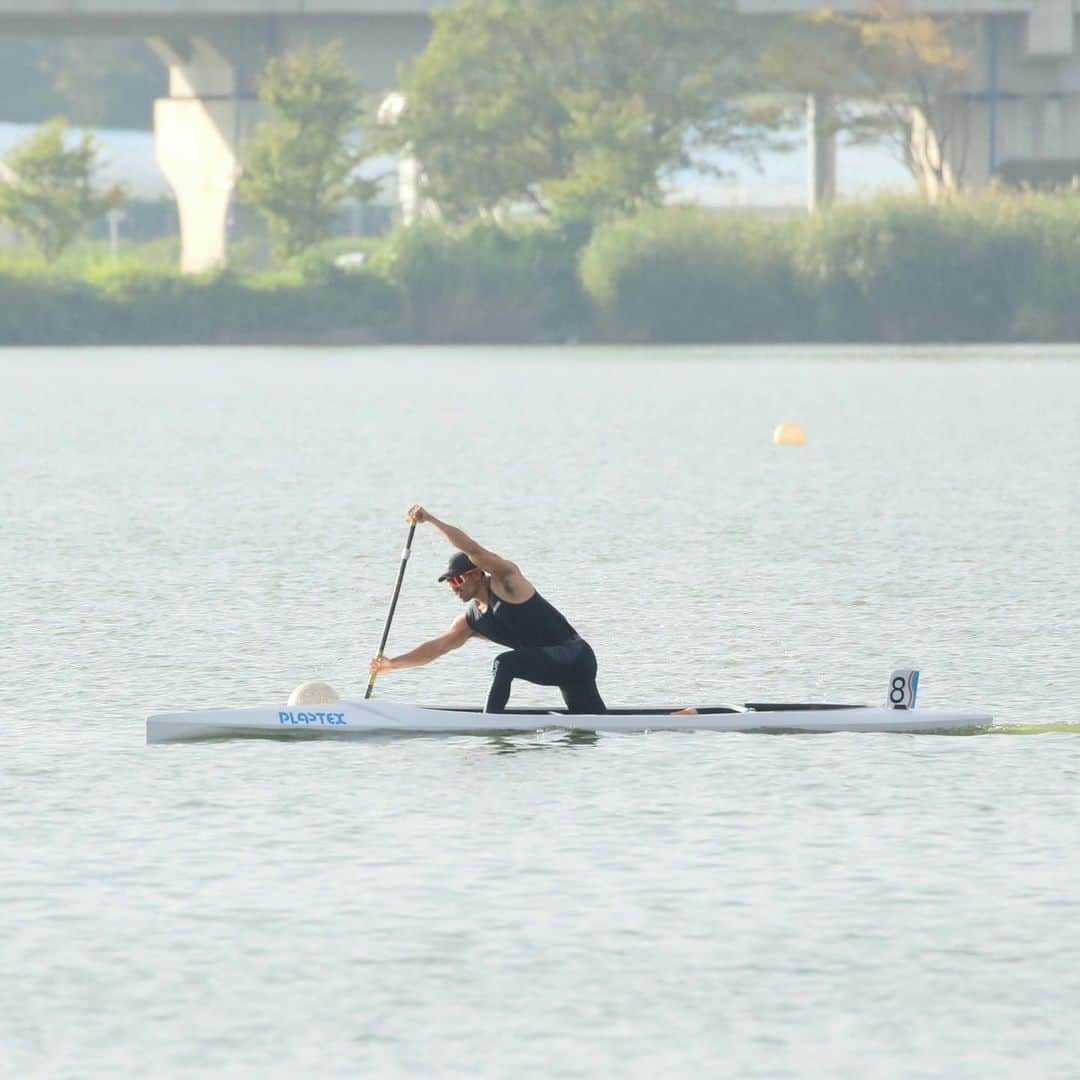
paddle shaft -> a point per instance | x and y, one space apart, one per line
393 604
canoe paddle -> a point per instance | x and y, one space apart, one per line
393 604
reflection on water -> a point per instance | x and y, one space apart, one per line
518 742
553 740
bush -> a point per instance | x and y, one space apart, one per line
999 266
41 308
352 299
996 267
689 275
485 282
1047 304
904 271
125 305
77 260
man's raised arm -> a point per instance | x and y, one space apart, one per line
488 561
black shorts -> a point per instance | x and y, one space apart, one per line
570 666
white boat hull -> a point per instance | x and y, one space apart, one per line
347 717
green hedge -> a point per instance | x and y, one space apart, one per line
486 283
1046 306
126 305
997 267
38 309
685 275
905 271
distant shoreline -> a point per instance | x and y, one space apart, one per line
993 268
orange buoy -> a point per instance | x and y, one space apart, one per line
789 434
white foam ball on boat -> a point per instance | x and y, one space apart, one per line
313 693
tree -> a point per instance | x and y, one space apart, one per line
300 165
902 76
578 109
49 195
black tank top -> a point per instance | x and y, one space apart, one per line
535 622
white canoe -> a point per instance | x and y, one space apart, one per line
350 717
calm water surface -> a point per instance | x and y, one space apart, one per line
185 528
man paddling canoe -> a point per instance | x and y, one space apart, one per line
504 607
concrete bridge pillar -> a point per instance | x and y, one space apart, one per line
198 130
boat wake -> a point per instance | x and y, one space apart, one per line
1062 727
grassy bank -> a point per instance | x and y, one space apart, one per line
87 300
996 267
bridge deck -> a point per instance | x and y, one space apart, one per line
202 9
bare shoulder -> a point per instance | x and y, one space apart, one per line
512 585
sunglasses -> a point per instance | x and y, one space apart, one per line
458 579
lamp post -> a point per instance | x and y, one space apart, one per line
115 199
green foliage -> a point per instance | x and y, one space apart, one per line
575 109
87 253
483 282
319 263
140 305
899 270
49 195
999 267
300 165
1046 306
690 275
617 159
886 64
37 308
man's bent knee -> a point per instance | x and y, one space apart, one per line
505 665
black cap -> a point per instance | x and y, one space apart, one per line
459 564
